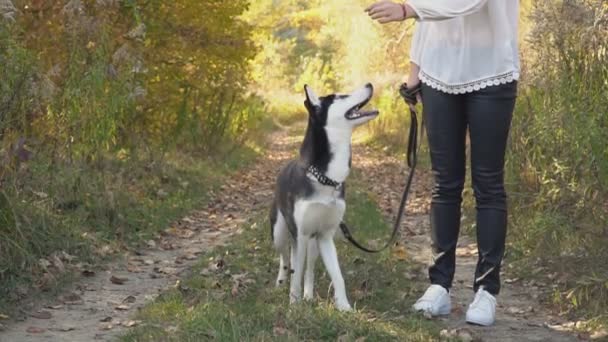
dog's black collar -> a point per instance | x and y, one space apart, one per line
321 178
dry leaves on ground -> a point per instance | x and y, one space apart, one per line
71 299
129 299
118 280
35 330
42 314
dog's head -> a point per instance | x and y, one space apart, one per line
340 111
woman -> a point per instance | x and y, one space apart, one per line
465 54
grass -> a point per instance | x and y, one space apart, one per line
238 301
83 214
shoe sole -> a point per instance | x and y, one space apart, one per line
483 324
443 312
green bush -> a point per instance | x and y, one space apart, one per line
109 130
558 160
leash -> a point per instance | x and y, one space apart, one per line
409 96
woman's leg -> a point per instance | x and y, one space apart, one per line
446 130
489 113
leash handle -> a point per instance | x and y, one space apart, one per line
409 96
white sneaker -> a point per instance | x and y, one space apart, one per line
435 301
482 310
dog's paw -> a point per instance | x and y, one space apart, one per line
308 295
294 298
344 307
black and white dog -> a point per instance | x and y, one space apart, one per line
309 198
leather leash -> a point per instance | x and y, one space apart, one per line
409 96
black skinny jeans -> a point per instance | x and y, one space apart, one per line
487 115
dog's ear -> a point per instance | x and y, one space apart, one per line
312 100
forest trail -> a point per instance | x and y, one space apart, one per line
100 307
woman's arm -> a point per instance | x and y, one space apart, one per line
412 79
386 11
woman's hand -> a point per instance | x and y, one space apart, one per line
386 11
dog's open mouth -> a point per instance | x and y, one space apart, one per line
357 112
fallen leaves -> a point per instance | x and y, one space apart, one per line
183 233
462 334
279 331
399 253
46 281
41 194
87 273
215 266
35 330
600 334
166 270
118 280
41 314
131 323
219 264
513 310
105 250
279 327
171 329
469 250
71 299
235 289
109 323
106 327
344 338
187 256
63 328
133 268
129 299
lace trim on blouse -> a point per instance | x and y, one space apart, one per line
471 86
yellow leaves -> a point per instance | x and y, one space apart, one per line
308 19
122 154
399 253
190 68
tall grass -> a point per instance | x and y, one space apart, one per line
91 160
558 160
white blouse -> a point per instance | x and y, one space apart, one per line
465 45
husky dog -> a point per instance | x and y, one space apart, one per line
309 198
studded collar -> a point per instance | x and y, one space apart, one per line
321 178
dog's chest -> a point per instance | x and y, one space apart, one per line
319 213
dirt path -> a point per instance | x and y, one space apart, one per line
100 307
520 316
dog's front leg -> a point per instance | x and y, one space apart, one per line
309 275
295 289
330 259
